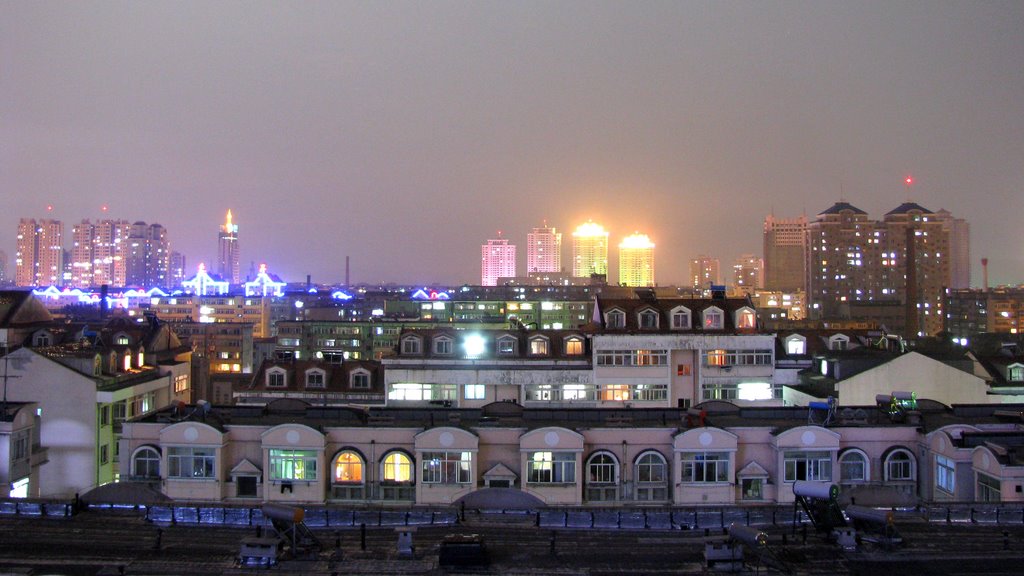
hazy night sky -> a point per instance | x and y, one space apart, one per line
405 134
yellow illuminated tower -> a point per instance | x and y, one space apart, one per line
227 244
636 261
589 250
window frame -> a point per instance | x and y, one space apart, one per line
411 345
137 456
681 312
202 460
713 318
539 346
619 321
648 319
277 378
891 462
817 465
354 461
945 474
507 345
444 346
550 467
314 372
704 467
865 475
453 467
283 465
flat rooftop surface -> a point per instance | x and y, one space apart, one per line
107 542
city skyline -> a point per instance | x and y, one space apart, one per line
392 134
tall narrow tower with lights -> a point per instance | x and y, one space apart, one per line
589 250
497 260
636 261
227 251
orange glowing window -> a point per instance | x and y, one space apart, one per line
348 468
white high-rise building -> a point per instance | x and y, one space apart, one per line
543 251
497 260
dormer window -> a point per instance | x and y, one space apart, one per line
839 342
506 346
648 319
795 345
276 378
615 319
573 346
714 319
359 379
680 318
443 346
122 339
539 346
1015 373
315 378
411 345
746 319
41 339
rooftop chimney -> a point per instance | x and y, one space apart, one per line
984 274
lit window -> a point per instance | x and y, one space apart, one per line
746 319
796 345
551 467
475 391
573 347
293 465
348 468
538 347
397 468
447 467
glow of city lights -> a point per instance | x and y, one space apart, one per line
636 240
590 229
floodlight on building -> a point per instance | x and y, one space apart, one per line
474 345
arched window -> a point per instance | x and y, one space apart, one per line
574 346
347 476
651 477
900 465
602 478
146 463
853 467
397 477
